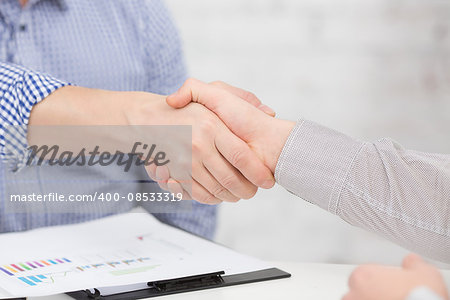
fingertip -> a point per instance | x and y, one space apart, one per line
269 183
267 110
264 178
171 100
180 98
412 260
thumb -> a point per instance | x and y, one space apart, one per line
179 99
185 94
413 261
246 96
197 91
240 116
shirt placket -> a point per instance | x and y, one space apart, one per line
24 40
9 13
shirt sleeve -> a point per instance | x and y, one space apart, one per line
423 293
20 90
382 187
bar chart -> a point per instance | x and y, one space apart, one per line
36 272
17 268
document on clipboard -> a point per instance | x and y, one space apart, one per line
127 253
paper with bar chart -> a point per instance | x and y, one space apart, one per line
127 249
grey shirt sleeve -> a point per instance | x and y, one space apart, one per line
423 293
401 194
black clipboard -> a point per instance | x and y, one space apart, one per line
187 284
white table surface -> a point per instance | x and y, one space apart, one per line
309 281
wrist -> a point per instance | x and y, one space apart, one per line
142 108
72 105
276 135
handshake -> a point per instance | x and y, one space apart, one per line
235 146
236 142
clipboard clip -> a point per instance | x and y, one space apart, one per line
94 295
187 283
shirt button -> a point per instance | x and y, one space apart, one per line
22 27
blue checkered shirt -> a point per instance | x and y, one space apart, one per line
126 45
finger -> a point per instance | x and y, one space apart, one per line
197 192
228 177
200 194
240 116
201 174
198 91
267 110
151 171
162 176
245 95
412 261
239 154
176 188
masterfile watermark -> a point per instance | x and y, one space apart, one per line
107 168
147 155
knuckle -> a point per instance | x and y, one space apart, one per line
250 97
229 182
223 194
219 191
207 125
217 82
242 189
190 81
205 197
238 158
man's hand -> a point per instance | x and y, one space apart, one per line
223 166
264 134
244 115
375 282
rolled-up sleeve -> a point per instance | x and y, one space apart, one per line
382 187
20 90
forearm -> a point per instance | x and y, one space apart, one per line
73 105
76 118
379 186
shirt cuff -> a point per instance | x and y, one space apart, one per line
314 163
26 91
423 293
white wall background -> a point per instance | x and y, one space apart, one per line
372 68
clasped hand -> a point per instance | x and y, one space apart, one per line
236 142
